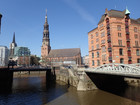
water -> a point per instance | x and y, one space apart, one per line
32 90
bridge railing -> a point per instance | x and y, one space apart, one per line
116 68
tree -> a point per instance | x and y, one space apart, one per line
34 60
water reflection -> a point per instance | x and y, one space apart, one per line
32 90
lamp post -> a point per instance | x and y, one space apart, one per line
0 22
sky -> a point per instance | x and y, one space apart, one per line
69 21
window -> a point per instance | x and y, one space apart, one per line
92 42
96 34
103 41
136 36
119 27
136 43
92 62
92 55
91 36
120 42
92 47
119 35
129 53
121 60
104 57
121 51
103 49
138 60
97 46
137 52
128 43
135 29
98 63
97 54
97 40
102 34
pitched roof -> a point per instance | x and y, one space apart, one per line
118 14
113 13
64 52
93 29
133 21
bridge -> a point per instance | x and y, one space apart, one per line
111 76
107 76
29 69
125 70
6 75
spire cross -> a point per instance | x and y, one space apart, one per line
46 16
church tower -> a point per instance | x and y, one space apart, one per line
12 46
45 48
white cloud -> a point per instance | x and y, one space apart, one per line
80 10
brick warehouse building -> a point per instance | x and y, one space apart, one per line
57 57
116 39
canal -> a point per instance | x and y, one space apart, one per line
33 90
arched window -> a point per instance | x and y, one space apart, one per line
121 60
137 52
138 60
98 63
135 29
97 54
92 62
121 51
92 55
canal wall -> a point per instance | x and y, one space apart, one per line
73 77
133 82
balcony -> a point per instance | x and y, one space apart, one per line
108 33
129 58
109 45
127 37
110 54
109 38
129 53
126 26
110 58
128 44
107 26
107 20
109 49
126 20
127 32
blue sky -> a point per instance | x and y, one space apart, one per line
69 21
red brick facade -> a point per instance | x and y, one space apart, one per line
116 39
23 60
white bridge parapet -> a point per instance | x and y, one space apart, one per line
128 70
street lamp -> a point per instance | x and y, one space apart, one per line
0 22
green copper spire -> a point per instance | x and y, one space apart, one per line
127 11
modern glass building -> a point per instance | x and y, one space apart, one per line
23 55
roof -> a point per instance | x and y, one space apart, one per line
64 52
93 29
133 21
113 13
119 14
